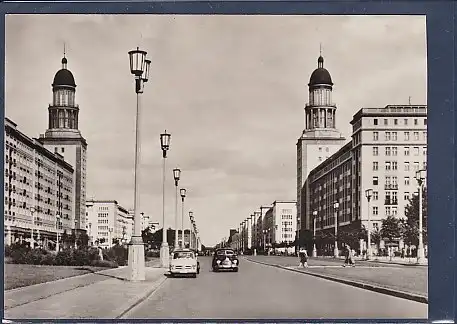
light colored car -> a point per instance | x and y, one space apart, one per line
183 262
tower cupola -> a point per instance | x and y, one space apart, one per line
320 110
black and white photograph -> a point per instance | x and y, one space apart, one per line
215 167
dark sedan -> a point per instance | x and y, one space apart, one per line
225 259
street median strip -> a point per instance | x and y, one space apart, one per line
372 287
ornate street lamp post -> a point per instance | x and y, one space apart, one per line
139 67
57 232
183 196
369 194
164 250
420 177
314 233
336 205
176 176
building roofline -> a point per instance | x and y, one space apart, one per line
391 110
37 145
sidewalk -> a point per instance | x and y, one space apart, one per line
405 282
105 294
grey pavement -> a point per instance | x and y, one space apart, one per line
260 291
397 279
105 294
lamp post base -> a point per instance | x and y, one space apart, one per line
255 252
314 251
136 266
164 256
420 255
336 253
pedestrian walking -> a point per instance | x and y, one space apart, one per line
303 255
349 257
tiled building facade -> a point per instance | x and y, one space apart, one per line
38 190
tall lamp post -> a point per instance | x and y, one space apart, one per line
420 177
32 211
139 67
191 217
176 176
164 251
183 195
57 231
314 233
336 205
76 244
369 194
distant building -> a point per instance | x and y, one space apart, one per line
107 221
388 146
39 190
280 223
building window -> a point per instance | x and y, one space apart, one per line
375 151
394 151
387 151
416 151
375 121
406 196
406 151
424 134
424 151
386 122
394 136
375 210
388 211
395 121
387 136
425 121
407 181
416 166
406 136
62 150
394 165
320 149
375 136
406 166
387 166
375 166
415 121
424 165
375 181
416 136
375 195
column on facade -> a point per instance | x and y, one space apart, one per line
8 236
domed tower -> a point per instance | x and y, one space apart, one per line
320 111
319 140
64 137
63 112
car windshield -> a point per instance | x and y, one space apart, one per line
225 252
183 255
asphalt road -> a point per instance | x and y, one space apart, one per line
259 291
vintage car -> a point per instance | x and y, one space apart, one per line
184 262
225 259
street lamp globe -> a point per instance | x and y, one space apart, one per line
420 176
137 62
182 191
165 142
336 205
147 65
176 175
32 209
369 193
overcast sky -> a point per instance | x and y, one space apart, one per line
230 89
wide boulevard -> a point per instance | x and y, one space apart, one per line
261 291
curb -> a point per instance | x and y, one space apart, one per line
375 288
155 286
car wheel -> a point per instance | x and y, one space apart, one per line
215 270
235 270
194 275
